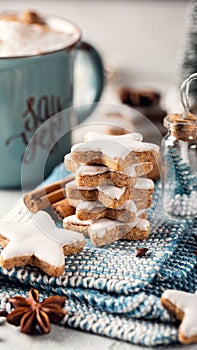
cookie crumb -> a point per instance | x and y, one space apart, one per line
141 252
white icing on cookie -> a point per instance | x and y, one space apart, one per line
74 220
140 212
67 157
111 149
114 150
112 191
37 237
143 184
100 169
72 185
101 226
130 170
91 170
143 225
74 202
187 302
98 207
131 141
128 205
83 169
76 145
89 206
89 136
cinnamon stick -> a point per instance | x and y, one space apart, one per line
63 209
44 197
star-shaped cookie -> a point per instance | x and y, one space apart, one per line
115 152
184 307
38 242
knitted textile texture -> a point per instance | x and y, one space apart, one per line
109 290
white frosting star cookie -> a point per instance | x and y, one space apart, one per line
115 152
38 242
95 175
105 231
184 307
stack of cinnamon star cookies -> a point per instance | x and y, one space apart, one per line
110 191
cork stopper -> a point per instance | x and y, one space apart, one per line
182 128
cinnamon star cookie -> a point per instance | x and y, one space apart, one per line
38 242
115 152
184 307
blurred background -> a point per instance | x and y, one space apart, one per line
142 43
139 39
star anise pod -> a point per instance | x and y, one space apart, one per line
30 313
141 252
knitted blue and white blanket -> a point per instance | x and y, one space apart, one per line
109 290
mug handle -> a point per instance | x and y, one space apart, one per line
95 60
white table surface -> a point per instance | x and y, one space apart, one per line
141 40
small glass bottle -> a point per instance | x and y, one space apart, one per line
179 159
179 165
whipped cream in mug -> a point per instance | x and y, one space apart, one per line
30 34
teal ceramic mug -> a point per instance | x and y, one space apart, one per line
32 89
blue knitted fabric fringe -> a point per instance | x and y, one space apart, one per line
112 292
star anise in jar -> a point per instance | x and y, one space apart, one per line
31 315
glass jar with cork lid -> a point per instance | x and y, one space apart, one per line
179 160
